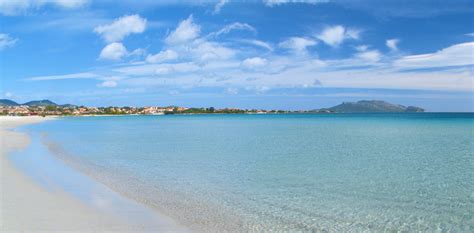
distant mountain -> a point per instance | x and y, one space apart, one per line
414 109
67 105
6 102
36 103
372 106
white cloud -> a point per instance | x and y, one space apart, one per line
205 62
234 26
15 7
6 41
392 44
121 28
137 52
84 75
8 94
470 34
232 91
352 34
254 63
374 78
298 44
113 51
301 73
285 72
9 7
219 5
186 31
73 22
186 42
369 55
362 48
109 83
165 55
272 3
260 89
70 3
207 50
163 70
363 53
335 35
455 55
152 69
258 43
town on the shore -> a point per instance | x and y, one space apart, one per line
49 108
153 110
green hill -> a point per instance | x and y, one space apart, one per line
372 106
7 102
40 103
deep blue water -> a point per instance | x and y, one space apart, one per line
305 172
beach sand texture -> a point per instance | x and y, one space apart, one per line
26 206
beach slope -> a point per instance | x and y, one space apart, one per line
26 206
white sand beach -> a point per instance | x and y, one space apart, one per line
26 206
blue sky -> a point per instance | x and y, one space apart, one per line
257 54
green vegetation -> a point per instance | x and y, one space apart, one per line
371 106
51 108
47 107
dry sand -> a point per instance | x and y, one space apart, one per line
26 206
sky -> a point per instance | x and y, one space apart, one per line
247 54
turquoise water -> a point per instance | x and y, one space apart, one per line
336 172
53 175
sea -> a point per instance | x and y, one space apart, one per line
281 172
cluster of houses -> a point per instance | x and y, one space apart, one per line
24 110
160 110
15 110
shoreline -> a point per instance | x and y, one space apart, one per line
197 209
34 199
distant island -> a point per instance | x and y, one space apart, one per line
48 107
365 106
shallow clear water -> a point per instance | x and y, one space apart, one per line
332 172
53 175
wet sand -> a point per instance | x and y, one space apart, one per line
27 206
